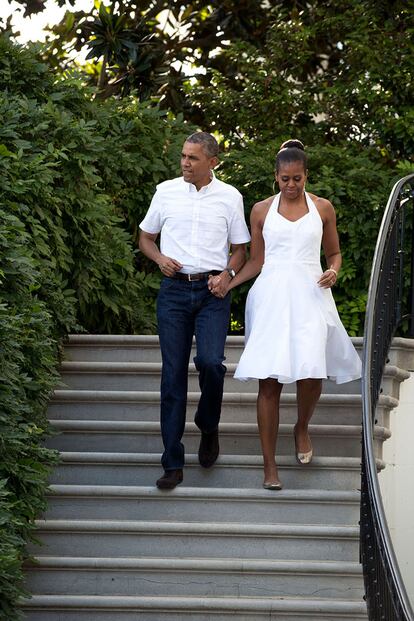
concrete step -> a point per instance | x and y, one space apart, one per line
142 348
131 348
241 471
392 378
235 438
237 407
401 353
98 608
145 348
146 376
195 577
219 545
197 504
168 539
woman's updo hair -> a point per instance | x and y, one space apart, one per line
291 151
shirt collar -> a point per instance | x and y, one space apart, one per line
205 188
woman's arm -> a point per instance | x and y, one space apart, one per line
330 244
256 259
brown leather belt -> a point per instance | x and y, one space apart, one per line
192 277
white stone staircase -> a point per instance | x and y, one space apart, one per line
117 549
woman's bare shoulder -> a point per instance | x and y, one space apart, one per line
325 208
260 209
321 203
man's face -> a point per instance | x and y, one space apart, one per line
196 166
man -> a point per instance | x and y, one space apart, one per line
199 218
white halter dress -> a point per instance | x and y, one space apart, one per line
292 328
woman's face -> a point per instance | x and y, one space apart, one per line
291 179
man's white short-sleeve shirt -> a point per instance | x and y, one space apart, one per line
197 227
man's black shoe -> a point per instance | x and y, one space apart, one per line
209 449
170 479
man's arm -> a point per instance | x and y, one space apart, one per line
238 257
219 284
148 246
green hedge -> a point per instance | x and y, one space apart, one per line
72 170
27 365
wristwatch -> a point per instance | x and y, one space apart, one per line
231 272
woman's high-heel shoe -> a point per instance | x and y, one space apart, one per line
302 458
274 486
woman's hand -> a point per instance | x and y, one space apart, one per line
328 278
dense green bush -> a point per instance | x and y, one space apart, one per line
71 170
28 354
74 170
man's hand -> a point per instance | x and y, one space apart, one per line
219 285
169 266
148 246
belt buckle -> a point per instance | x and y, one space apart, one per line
190 279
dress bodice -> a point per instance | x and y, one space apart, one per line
292 327
287 241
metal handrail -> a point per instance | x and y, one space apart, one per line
385 592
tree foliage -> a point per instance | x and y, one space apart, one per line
332 72
336 74
329 71
71 169
149 45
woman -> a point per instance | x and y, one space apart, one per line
293 331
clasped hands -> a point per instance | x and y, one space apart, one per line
219 285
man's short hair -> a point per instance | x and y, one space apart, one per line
207 141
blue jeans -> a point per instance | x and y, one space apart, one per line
184 309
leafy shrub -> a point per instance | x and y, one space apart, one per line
76 170
28 355
71 171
